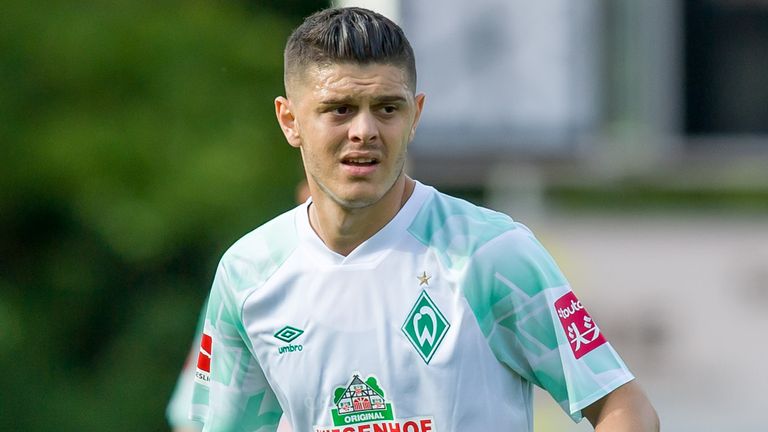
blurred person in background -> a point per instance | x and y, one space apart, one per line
381 303
177 411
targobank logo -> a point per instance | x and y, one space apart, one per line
425 327
288 334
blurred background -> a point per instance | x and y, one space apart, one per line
139 141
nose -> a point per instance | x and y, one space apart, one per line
363 128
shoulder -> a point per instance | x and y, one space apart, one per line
458 229
483 242
253 258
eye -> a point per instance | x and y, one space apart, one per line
341 110
389 109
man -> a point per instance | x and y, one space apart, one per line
382 304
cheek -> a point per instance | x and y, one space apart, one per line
322 137
316 159
400 129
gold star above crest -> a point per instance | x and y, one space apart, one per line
423 279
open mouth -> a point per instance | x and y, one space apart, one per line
359 161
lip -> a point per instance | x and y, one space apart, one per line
363 169
359 170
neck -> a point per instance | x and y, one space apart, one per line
343 229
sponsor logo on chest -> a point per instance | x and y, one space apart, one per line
360 406
423 425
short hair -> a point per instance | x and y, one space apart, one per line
348 35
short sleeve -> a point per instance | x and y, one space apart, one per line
177 411
536 325
231 392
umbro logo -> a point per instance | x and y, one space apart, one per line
288 334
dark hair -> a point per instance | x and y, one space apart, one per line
348 35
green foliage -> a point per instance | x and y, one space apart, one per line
138 141
338 394
372 383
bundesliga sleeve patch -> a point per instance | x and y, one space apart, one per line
203 372
582 332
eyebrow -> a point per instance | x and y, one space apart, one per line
376 100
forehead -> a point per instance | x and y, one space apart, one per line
355 81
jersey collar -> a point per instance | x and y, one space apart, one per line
371 250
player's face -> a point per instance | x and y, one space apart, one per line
353 124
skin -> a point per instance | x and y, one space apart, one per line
352 124
339 113
626 409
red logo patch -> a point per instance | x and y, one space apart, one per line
582 332
204 359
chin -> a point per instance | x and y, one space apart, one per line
359 197
358 202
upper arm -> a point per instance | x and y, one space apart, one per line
538 328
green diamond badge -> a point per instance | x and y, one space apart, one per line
425 327
287 334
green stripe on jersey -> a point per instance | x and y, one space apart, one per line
456 229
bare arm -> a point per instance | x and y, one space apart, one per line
625 409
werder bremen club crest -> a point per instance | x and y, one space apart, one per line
360 406
425 327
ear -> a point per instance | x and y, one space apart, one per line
287 121
419 106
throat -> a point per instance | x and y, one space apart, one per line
343 229
342 233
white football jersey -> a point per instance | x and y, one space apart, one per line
441 321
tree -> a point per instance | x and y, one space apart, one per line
138 142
